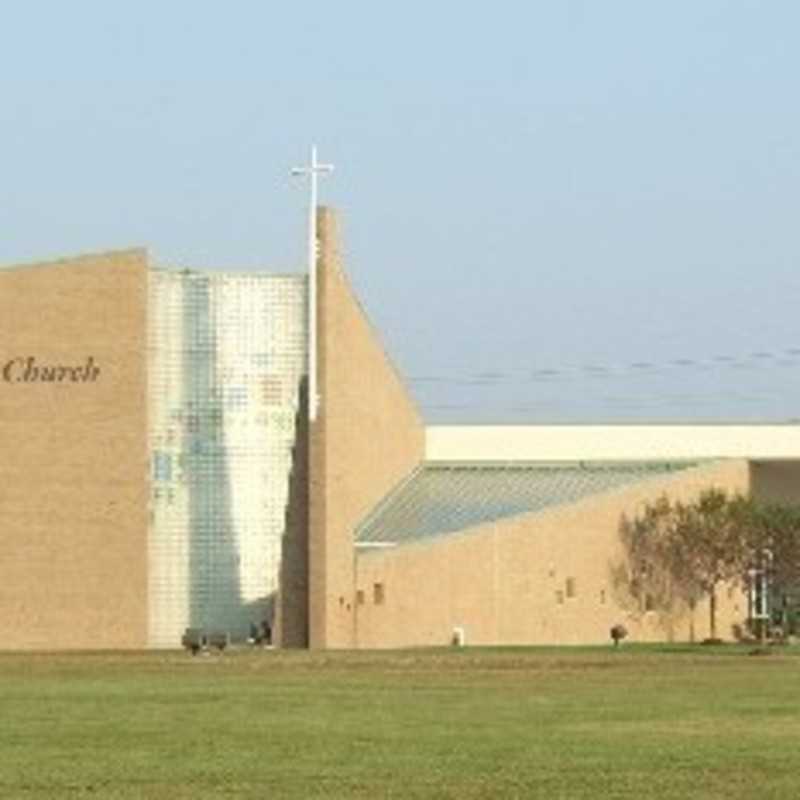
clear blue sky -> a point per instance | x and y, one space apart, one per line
553 211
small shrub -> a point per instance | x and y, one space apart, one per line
618 633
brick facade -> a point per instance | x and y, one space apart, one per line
75 489
73 473
542 578
367 437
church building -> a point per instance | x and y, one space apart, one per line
162 470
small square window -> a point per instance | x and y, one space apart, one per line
360 597
378 594
570 587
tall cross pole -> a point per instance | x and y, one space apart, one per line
313 170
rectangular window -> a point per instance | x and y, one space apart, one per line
570 589
378 594
360 597
758 596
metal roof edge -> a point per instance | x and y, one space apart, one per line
553 509
378 508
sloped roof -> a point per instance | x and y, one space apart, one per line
82 259
440 498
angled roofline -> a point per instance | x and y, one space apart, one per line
66 261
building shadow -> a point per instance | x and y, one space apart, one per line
292 610
215 603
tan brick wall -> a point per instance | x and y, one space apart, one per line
367 437
499 582
73 471
776 481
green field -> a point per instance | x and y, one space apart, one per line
557 723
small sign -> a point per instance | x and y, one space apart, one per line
27 369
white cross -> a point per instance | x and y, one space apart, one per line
313 170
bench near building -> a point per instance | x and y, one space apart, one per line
161 473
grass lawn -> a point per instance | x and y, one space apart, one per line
643 722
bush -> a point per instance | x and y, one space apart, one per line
618 633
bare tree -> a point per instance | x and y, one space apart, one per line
680 552
644 576
707 545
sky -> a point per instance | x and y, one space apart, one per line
553 212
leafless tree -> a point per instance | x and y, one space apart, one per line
680 552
